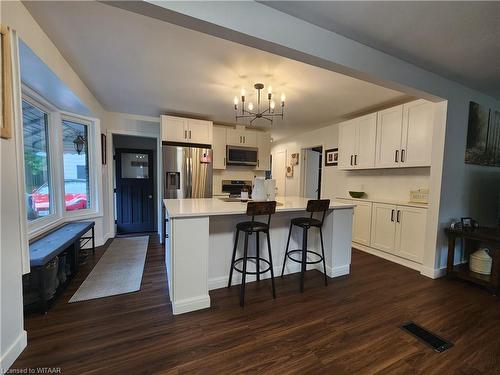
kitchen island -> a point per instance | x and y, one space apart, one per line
200 236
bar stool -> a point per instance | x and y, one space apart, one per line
250 227
313 206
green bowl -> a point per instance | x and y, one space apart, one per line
357 194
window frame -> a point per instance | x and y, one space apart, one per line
56 166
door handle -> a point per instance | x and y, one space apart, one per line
396 157
392 215
150 196
403 155
397 216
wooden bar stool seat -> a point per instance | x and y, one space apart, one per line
249 228
313 206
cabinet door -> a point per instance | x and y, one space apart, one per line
264 146
199 131
383 229
366 130
416 145
347 144
234 137
388 146
250 138
174 129
219 147
362 222
410 232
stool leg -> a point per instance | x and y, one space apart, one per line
286 251
244 273
257 262
271 264
323 253
304 259
234 256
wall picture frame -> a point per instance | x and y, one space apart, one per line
104 155
294 159
6 97
332 157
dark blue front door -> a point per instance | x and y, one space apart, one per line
134 191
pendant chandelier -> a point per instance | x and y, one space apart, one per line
265 111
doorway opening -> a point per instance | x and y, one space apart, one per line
311 172
135 187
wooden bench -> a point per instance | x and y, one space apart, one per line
67 238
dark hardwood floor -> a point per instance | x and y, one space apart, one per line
351 326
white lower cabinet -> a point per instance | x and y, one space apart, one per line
362 222
399 230
410 232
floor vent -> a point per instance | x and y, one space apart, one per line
437 343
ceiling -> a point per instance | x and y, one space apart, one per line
458 40
140 65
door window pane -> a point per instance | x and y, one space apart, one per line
135 165
36 162
76 165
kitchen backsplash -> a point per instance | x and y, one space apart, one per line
233 173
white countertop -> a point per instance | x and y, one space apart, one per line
196 207
386 201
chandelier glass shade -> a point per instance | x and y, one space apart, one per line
266 111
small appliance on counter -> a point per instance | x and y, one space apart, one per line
259 191
271 189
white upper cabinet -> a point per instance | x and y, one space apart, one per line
242 137
173 129
416 141
347 144
388 145
357 142
219 147
184 130
264 146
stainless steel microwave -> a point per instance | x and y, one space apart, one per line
237 155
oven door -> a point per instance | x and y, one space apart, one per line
236 155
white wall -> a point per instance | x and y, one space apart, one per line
12 335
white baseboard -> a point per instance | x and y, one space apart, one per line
433 273
393 258
13 352
190 304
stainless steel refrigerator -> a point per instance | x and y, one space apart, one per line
187 172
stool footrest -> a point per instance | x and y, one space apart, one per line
308 252
252 272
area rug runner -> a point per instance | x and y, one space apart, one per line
118 271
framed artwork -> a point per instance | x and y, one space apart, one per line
295 159
6 98
289 171
103 149
332 157
483 136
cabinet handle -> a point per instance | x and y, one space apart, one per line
185 134
392 215
190 134
244 139
351 159
396 156
241 140
403 152
258 162
355 159
397 216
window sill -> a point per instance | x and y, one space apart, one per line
41 230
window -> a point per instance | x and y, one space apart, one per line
75 136
39 200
